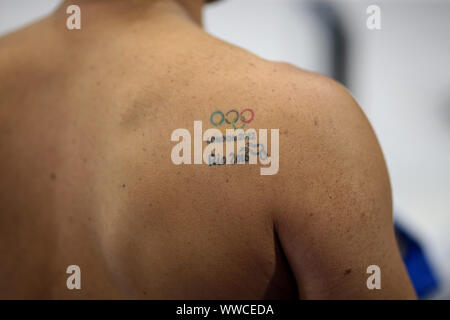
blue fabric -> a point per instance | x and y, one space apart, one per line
420 272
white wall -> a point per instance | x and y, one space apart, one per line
16 13
281 30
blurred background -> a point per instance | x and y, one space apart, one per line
400 75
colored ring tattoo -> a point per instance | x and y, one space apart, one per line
251 119
212 118
235 119
239 116
243 124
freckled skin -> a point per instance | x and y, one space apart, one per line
85 125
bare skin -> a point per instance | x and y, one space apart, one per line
85 123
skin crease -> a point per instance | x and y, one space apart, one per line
85 123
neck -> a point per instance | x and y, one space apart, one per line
191 9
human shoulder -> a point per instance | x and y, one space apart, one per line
333 210
329 152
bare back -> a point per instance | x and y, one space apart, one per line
87 179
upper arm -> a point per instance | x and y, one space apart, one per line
334 219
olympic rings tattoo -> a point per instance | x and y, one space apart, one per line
237 116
